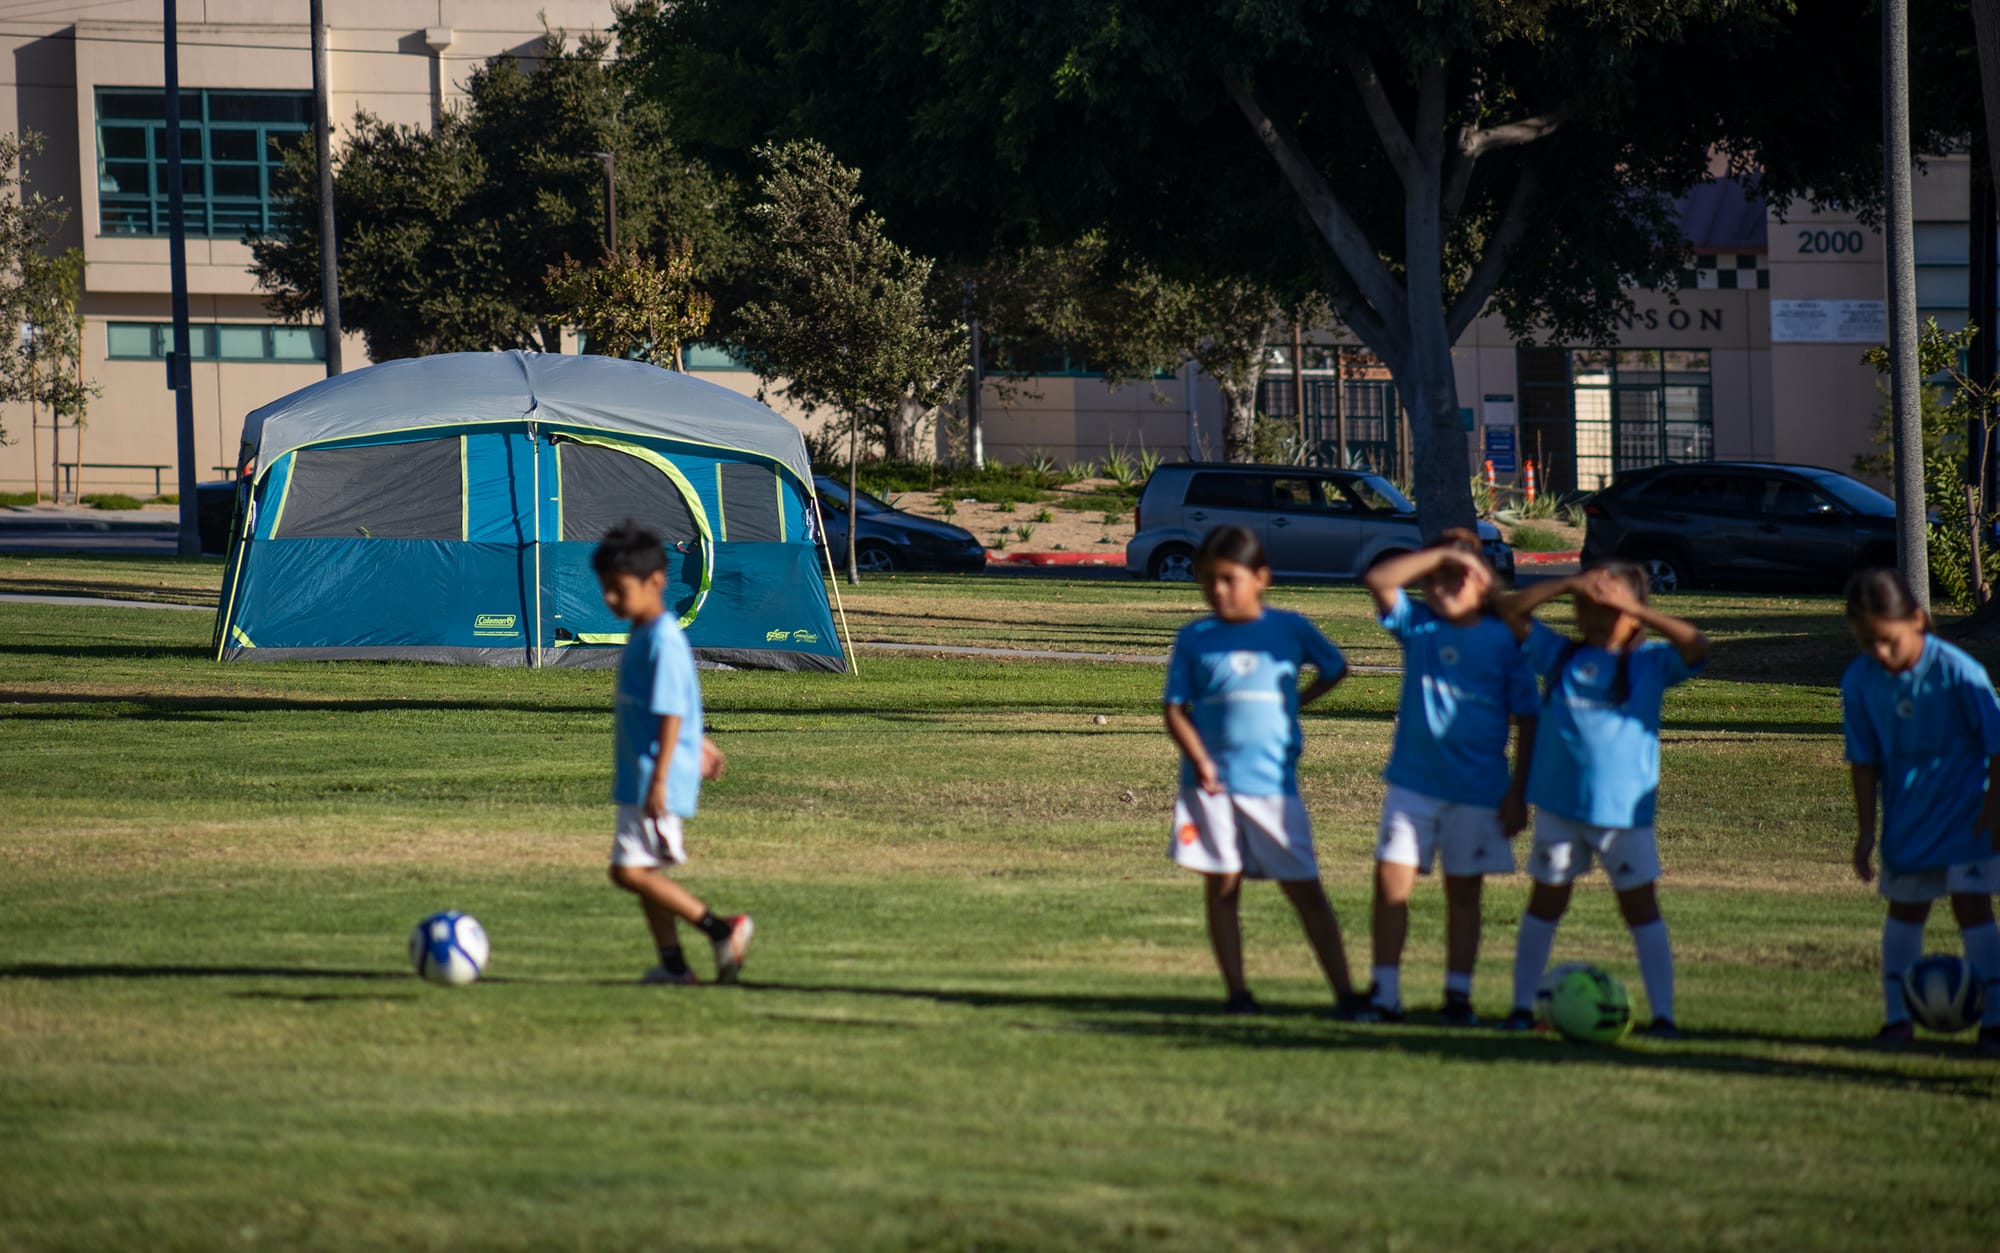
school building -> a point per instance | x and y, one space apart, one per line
1757 355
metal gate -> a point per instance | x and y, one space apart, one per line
1369 409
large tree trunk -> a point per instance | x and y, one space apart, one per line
1239 418
1439 470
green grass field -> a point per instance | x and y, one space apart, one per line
981 1013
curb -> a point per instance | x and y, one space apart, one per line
1054 559
1545 559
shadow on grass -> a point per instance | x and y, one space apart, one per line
1202 1023
58 972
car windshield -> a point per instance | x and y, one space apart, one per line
1380 494
836 495
1856 495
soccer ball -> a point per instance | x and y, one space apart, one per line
1590 1007
449 948
1546 988
1942 994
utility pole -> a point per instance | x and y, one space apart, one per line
329 261
1905 383
179 375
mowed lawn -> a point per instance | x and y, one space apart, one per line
981 1012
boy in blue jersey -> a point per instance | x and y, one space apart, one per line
1923 734
661 757
1232 707
1451 797
1596 768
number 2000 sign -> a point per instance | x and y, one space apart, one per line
1829 242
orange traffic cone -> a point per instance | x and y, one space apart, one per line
1528 480
1491 483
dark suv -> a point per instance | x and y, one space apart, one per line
1740 522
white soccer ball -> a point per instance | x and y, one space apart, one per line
1550 978
1942 994
449 948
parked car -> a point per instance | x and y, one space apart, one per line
1740 522
1316 524
886 538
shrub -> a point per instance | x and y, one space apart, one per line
110 500
17 498
174 498
1004 506
1110 519
1119 469
1044 515
1530 538
1572 514
947 507
1075 470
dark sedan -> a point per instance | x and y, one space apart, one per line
887 539
1745 522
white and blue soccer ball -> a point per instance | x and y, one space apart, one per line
1942 994
449 948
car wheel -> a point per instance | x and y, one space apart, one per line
1666 571
874 559
1173 563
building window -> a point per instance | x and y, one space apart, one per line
216 341
228 158
1588 413
710 357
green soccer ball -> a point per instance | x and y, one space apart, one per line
1589 1006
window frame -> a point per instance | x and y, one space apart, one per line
134 215
205 339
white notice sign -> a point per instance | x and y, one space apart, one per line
1499 409
1829 322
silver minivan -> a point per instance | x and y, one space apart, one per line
1315 524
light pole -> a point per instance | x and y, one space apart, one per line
329 261
178 372
1905 383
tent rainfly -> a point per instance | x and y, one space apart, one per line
445 509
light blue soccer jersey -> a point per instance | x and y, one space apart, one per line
1597 761
1928 731
656 678
1461 685
1241 680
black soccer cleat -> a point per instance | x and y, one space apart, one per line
1457 1011
1243 1005
1988 1044
1895 1035
1662 1029
1519 1020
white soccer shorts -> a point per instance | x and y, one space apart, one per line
643 841
1972 878
1417 830
1564 850
1260 837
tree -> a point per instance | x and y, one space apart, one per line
628 305
448 234
38 292
1419 163
1955 414
843 317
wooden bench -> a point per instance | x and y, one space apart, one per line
69 467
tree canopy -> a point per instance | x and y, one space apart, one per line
39 288
447 233
1414 163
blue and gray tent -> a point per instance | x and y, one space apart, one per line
445 509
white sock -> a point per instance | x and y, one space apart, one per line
1531 956
1454 982
1656 967
1388 986
1902 945
1982 953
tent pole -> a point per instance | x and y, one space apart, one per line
535 636
853 662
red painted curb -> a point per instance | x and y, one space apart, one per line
1544 559
1055 559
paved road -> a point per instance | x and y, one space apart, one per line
45 528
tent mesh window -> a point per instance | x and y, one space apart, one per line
602 487
750 503
382 491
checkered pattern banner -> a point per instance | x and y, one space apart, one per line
1728 271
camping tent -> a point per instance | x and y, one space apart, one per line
445 509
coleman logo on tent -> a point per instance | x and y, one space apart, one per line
800 636
494 624
774 637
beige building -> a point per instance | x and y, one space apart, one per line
1757 355
90 86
